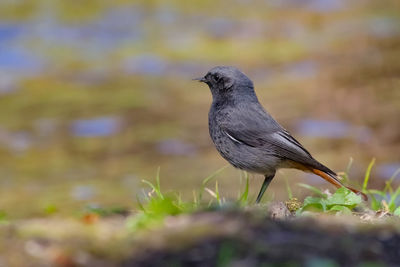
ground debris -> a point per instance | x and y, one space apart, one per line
339 240
293 204
278 210
229 237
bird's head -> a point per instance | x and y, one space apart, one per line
224 80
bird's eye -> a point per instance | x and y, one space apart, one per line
216 78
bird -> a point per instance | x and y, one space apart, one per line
248 137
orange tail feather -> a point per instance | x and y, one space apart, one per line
336 182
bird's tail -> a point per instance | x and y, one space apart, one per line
332 178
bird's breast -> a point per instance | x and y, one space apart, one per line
221 142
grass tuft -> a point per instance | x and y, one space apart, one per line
243 199
386 199
367 175
157 205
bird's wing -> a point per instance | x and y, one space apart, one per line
255 128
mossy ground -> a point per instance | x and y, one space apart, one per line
205 238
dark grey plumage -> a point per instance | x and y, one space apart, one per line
247 136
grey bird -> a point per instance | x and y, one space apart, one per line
247 136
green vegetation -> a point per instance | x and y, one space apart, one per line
386 199
165 220
158 205
342 201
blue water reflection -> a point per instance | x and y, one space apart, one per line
313 5
9 32
333 129
320 128
176 147
98 127
324 5
388 170
147 64
19 59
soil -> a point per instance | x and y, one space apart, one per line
243 239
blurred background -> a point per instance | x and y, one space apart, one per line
96 95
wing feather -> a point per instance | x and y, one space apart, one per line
256 128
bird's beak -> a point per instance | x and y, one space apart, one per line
201 79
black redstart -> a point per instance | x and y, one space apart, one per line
248 137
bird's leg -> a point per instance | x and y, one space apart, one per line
267 181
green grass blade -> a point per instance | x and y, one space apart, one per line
393 197
313 189
397 212
158 189
149 184
243 199
349 165
212 193
375 204
388 185
345 175
196 204
207 179
179 199
140 205
367 175
217 193
289 190
154 188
